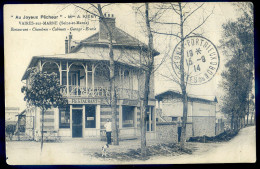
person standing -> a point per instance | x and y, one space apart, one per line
108 127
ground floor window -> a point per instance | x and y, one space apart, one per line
90 116
64 114
128 116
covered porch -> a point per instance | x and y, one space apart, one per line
91 79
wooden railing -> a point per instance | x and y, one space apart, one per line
75 91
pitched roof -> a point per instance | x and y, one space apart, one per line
121 38
190 96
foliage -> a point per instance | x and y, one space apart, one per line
10 129
238 43
225 136
44 90
166 149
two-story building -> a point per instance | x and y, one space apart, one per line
84 72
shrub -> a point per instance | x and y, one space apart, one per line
10 129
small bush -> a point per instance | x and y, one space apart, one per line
10 129
225 136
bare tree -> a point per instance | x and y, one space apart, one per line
98 12
183 11
147 65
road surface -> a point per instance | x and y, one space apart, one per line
242 149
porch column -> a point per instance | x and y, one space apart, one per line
83 121
135 121
98 119
135 117
154 118
60 69
150 114
86 73
71 120
93 72
120 75
120 116
67 79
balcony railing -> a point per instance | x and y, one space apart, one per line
101 92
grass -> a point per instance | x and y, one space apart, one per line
169 149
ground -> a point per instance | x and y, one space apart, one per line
242 148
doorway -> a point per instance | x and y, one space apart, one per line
179 134
77 123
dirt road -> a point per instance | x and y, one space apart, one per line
242 148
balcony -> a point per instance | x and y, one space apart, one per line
101 92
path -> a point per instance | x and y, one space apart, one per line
242 148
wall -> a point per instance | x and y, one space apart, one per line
203 126
167 132
174 107
204 119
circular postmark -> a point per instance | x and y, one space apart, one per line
201 60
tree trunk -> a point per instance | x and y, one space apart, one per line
113 96
113 99
183 85
235 124
184 120
148 71
42 129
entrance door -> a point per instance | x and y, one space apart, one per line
179 134
76 123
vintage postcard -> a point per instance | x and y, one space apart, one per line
129 83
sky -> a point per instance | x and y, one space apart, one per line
21 46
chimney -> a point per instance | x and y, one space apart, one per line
66 45
103 32
70 39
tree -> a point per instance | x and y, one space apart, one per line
147 64
181 29
44 93
238 43
98 12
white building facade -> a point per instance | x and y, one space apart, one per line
84 72
201 112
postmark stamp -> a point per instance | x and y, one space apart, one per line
201 60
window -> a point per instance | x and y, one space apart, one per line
90 116
174 118
128 116
64 117
64 78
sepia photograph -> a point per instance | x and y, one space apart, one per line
129 83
